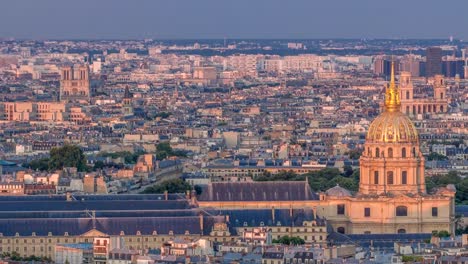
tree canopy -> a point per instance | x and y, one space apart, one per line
171 186
67 156
60 157
286 240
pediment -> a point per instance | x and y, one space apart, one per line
402 198
94 233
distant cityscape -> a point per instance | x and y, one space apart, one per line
234 151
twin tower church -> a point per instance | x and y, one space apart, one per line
392 196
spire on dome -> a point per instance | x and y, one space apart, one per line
392 97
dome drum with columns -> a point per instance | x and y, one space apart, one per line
392 161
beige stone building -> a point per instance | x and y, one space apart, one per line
413 106
74 84
34 111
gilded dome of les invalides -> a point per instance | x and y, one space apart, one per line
392 126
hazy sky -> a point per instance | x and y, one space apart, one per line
42 19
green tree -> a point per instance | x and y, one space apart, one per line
164 146
354 153
411 259
129 157
286 240
67 156
442 233
436 156
198 189
98 165
347 170
171 186
39 164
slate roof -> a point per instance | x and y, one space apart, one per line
109 214
378 240
131 205
111 226
254 217
258 191
461 210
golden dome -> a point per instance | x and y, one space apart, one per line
392 125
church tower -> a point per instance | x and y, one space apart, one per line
74 84
127 103
392 161
439 87
406 92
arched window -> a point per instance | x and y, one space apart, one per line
401 231
377 152
402 211
403 152
407 94
389 177
441 95
404 177
390 152
340 230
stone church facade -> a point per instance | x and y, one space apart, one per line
392 196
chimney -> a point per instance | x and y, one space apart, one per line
193 197
200 216
273 214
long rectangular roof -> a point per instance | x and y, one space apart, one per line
258 191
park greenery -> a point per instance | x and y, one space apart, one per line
73 156
15 256
128 157
171 186
60 157
321 180
286 240
164 150
411 259
436 156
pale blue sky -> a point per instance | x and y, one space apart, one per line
103 19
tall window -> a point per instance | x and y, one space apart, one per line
404 177
435 211
340 209
367 212
403 152
377 152
340 230
407 94
376 177
389 177
390 152
402 211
